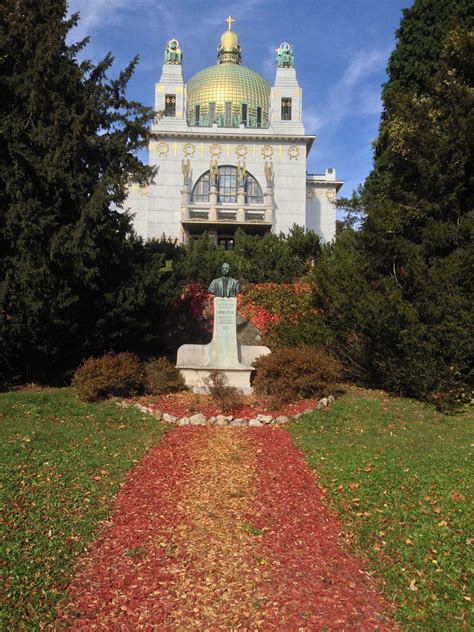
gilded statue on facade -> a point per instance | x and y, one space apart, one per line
285 57
213 173
241 173
185 169
173 54
269 173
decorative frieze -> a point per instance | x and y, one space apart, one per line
162 148
215 150
188 150
241 151
293 152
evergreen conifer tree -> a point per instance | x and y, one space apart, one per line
413 318
74 279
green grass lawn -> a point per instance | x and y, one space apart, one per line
398 473
61 463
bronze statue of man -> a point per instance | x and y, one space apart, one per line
224 286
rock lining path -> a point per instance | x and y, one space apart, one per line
221 528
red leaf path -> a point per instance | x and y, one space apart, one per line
222 529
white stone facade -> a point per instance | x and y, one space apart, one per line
275 156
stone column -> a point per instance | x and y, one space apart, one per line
213 195
241 203
268 201
268 198
213 203
212 216
185 195
241 196
185 202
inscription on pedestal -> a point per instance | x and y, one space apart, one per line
223 348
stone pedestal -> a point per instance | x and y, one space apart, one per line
223 352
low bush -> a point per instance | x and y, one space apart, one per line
227 398
118 374
296 373
161 376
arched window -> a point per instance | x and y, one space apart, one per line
227 187
201 189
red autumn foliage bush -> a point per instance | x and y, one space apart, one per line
266 304
119 374
297 372
262 304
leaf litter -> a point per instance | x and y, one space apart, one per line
221 528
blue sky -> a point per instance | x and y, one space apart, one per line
341 50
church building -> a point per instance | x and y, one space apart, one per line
230 152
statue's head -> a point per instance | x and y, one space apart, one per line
173 44
225 269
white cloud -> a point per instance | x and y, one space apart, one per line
311 119
354 93
269 60
96 14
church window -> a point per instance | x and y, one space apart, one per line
259 117
244 117
170 105
253 191
197 114
212 113
286 109
227 192
201 190
228 114
227 187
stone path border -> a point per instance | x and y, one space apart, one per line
199 419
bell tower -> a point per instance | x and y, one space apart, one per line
286 94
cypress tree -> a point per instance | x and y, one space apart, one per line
415 332
70 286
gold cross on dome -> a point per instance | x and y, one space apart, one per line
229 21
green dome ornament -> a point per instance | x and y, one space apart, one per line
285 57
173 54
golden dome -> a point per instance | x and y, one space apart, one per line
228 93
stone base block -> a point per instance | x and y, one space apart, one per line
194 378
195 363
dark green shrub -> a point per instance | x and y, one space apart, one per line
296 373
161 376
118 374
227 398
